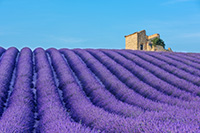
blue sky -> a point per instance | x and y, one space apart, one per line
98 23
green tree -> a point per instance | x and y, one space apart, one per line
158 41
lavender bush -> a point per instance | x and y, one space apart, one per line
98 91
52 114
19 116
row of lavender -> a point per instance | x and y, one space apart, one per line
98 91
19 114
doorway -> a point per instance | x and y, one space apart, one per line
141 47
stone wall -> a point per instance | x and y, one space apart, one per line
153 36
158 48
131 41
142 39
149 46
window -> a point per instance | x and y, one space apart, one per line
141 46
150 44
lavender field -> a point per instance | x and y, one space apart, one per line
93 91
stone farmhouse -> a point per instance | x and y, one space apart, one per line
140 41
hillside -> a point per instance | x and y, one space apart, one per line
88 90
